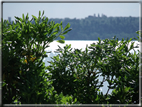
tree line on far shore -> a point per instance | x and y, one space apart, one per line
92 27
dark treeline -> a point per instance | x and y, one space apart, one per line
92 27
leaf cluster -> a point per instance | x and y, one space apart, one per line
75 72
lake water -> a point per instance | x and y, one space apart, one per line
78 44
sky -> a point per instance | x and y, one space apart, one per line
71 10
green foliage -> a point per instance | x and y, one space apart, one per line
75 72
24 75
139 36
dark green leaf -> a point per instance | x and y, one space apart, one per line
23 17
27 17
39 13
18 18
99 40
43 13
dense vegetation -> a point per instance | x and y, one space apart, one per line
23 70
76 72
73 74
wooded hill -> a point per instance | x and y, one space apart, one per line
92 27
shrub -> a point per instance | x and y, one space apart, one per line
75 72
24 79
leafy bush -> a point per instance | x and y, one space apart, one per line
75 72
24 79
73 76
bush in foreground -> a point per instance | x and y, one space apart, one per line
75 72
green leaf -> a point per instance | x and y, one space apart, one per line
34 17
86 48
62 37
61 41
75 80
75 100
69 46
50 31
43 13
18 18
27 17
67 26
61 23
131 47
121 47
66 32
3 84
129 40
56 26
23 16
97 98
138 32
39 13
99 40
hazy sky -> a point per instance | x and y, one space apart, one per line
71 10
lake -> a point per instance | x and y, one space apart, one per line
77 44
